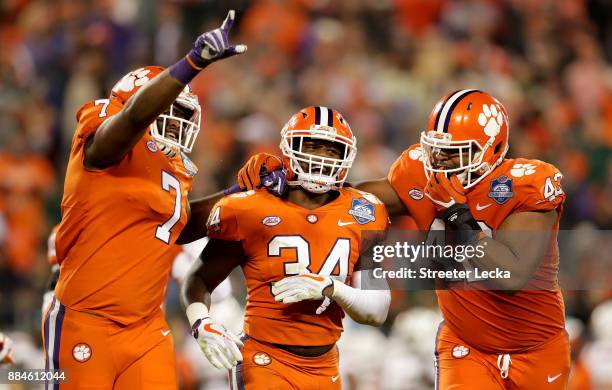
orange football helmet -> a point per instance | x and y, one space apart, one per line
471 123
185 109
322 173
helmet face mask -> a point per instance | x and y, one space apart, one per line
470 154
180 124
315 171
467 136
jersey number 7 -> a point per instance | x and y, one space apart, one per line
163 231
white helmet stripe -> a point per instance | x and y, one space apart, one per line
446 109
324 116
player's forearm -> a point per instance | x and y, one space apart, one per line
194 290
196 225
500 256
152 100
385 192
118 135
368 307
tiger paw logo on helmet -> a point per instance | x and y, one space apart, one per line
491 118
134 79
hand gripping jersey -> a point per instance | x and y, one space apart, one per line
492 321
115 241
281 239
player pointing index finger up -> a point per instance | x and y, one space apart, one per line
124 205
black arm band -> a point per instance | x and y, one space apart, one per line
460 219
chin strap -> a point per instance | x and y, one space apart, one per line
305 184
166 149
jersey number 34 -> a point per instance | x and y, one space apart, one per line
338 256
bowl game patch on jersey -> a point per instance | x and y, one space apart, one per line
362 210
189 165
501 189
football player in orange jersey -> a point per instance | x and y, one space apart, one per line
124 205
458 179
300 258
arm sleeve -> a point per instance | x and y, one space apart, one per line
368 307
222 222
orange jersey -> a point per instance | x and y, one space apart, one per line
279 239
490 320
115 243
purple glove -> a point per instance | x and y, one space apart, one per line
275 182
208 48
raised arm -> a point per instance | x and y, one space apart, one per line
117 135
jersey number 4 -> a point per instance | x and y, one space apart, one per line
170 182
337 256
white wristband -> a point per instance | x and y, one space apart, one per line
196 311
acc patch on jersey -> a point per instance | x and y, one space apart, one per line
416 194
362 210
501 189
152 146
189 165
271 220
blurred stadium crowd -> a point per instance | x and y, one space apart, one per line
382 63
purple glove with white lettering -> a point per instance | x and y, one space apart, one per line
208 48
275 182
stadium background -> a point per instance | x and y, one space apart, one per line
382 63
